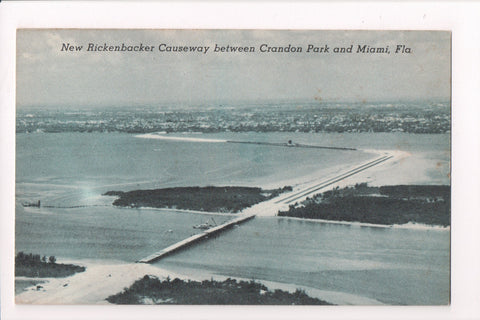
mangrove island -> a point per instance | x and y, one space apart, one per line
386 205
150 290
208 199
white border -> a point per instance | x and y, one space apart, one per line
463 19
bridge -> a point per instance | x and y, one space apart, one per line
195 238
270 207
290 144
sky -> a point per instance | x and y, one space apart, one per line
48 76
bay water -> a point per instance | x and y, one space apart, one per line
69 172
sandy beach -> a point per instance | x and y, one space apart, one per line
101 280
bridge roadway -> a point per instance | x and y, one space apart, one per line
303 193
195 238
291 145
271 206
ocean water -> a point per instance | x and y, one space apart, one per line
94 163
104 232
393 266
70 171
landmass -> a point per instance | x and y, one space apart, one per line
150 290
272 116
32 265
208 199
387 205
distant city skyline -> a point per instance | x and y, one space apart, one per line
50 76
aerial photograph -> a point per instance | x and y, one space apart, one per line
232 167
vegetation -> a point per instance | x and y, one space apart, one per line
380 205
151 290
32 265
212 199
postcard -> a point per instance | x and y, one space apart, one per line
232 167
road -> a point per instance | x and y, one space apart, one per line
302 191
271 207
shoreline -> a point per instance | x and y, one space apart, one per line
233 214
100 280
409 225
93 286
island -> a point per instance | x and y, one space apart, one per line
33 265
208 199
151 290
385 205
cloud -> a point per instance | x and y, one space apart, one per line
47 75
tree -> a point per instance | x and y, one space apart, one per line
52 259
20 258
